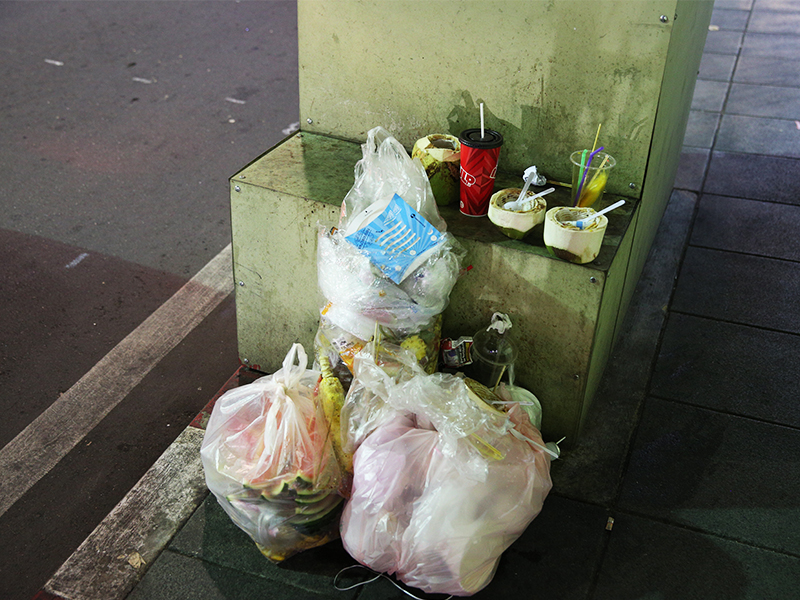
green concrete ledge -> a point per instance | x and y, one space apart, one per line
316 167
564 314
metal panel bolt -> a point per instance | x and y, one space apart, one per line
309 121
576 377
241 283
241 176
237 188
664 19
632 185
246 361
593 279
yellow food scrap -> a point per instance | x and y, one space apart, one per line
416 345
331 396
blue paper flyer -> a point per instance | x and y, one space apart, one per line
395 237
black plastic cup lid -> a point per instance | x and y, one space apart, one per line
473 139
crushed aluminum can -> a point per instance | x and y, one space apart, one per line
457 353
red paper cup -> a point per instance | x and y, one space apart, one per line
478 169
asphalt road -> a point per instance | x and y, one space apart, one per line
120 124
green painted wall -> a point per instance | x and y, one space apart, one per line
548 72
680 74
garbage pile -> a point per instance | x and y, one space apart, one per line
426 476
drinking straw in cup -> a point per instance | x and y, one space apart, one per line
480 150
589 176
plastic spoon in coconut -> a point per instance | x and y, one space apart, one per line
582 223
529 176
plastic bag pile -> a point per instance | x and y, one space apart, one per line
421 474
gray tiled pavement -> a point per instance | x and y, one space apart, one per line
694 446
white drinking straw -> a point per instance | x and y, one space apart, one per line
482 135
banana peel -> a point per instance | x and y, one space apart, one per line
331 396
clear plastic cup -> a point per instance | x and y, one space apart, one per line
589 181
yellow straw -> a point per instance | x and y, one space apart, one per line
503 370
597 135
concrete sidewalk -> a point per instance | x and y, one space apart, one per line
693 444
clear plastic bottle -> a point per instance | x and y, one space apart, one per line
493 353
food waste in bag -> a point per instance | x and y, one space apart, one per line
340 347
270 461
330 394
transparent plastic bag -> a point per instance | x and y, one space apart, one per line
388 379
377 369
356 273
268 460
361 295
386 169
360 292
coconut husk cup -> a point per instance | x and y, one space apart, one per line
440 154
515 224
566 241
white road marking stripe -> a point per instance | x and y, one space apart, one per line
77 261
42 444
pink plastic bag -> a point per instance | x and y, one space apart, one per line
437 509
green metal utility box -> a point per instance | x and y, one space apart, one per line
548 73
